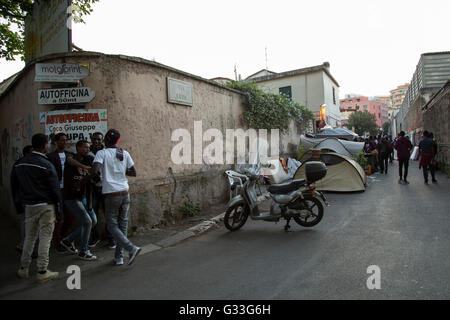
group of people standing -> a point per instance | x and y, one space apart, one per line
384 147
50 189
382 151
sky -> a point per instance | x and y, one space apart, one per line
372 46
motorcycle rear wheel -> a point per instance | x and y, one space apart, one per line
236 216
314 209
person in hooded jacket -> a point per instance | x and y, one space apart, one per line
403 146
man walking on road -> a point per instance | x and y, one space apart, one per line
115 164
426 150
38 190
383 155
403 147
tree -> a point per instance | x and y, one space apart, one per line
270 111
363 121
12 23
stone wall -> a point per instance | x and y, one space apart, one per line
134 92
436 119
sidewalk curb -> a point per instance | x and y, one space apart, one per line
191 232
148 248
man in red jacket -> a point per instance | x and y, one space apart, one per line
403 147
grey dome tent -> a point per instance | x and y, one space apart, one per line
339 133
346 148
344 174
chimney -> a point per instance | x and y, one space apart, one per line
327 65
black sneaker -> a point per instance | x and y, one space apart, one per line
406 182
111 244
69 246
92 244
87 256
434 181
61 249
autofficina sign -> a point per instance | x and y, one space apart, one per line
77 124
65 95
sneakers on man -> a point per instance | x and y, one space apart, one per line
23 273
133 255
434 181
400 181
60 249
87 256
111 244
118 262
48 275
93 243
406 182
69 246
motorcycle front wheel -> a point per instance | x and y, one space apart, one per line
236 216
311 214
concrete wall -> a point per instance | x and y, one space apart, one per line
332 108
134 92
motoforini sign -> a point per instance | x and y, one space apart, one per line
77 124
60 72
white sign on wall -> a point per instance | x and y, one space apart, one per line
60 72
78 124
65 95
179 92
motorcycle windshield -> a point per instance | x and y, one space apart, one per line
251 192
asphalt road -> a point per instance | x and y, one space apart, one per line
402 229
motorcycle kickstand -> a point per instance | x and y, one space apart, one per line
287 226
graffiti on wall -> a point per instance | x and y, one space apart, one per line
5 145
22 131
12 142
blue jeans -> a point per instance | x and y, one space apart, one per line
87 220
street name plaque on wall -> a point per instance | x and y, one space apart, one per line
179 92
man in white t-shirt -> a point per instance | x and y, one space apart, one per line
115 164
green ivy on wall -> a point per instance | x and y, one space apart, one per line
270 111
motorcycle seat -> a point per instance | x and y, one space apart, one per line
287 186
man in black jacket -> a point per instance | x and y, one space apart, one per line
59 158
35 186
26 151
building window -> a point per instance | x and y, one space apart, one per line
357 108
287 92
